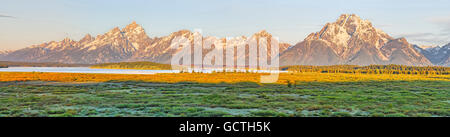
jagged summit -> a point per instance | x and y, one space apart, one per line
133 28
87 37
349 28
184 33
351 20
133 24
67 40
115 29
130 28
263 33
402 40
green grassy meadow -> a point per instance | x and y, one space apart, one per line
244 99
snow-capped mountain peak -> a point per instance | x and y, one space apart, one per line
263 33
133 28
86 39
352 40
349 28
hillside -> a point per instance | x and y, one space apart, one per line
143 65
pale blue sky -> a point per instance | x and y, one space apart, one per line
27 22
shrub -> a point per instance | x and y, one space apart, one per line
268 113
341 114
396 115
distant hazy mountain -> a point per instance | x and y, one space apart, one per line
351 40
437 55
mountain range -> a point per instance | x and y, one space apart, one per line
348 40
437 55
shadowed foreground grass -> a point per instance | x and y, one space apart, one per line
330 95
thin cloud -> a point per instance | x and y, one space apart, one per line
427 38
416 35
439 38
383 25
442 22
6 16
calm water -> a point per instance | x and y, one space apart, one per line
83 70
107 71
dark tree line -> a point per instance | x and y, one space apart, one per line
38 64
372 69
134 65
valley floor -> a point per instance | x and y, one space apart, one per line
228 95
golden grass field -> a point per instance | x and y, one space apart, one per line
284 78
